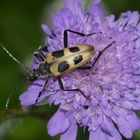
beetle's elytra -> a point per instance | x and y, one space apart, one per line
67 59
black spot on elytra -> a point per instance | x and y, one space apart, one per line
74 49
58 54
77 59
63 66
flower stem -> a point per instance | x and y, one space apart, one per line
24 113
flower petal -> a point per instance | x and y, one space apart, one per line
124 128
75 7
46 29
126 122
58 123
97 1
29 97
62 19
133 18
100 135
70 134
133 120
95 9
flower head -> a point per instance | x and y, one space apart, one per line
112 85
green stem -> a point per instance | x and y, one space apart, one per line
24 113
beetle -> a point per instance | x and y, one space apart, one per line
62 61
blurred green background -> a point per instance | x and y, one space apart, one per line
20 32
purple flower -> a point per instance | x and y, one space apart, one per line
112 85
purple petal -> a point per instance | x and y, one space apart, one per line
62 19
97 1
97 135
46 29
100 135
124 128
75 7
108 128
133 18
95 9
138 26
126 122
133 120
29 97
70 134
58 123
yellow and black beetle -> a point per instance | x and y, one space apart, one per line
62 61
59 62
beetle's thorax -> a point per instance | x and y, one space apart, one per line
42 70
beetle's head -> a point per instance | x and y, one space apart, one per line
42 70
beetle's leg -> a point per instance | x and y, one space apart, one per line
66 36
41 92
39 55
63 88
45 48
99 55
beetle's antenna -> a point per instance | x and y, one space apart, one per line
15 59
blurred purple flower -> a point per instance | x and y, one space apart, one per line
113 85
